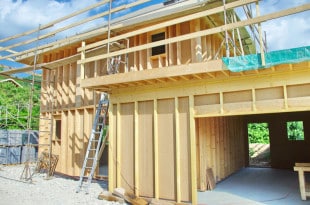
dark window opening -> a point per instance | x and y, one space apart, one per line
58 129
158 49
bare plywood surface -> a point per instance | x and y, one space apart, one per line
185 172
146 148
127 146
166 146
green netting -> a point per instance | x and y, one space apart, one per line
252 62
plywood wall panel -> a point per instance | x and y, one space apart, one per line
166 149
146 148
71 142
222 145
64 143
127 146
185 149
78 142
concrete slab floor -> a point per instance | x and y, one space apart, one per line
256 186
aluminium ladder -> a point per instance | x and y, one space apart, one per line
95 142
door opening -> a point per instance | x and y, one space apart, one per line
259 144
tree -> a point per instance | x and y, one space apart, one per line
295 130
258 133
14 104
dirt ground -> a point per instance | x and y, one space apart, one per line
260 155
57 190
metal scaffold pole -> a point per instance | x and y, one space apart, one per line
26 174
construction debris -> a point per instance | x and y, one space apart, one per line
108 196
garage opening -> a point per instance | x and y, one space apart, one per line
224 146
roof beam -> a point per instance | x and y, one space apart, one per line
55 22
218 29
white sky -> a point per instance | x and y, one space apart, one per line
17 16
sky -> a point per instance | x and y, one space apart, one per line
18 16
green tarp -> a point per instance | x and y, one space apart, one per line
252 62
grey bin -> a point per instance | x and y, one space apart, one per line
3 155
3 137
15 137
34 137
14 155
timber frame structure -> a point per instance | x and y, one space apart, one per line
175 108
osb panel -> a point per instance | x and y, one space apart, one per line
185 149
166 149
146 148
127 146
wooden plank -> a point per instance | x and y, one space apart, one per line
136 150
202 133
146 148
127 152
185 157
299 164
177 149
203 32
48 25
171 22
210 179
166 149
192 150
172 71
118 146
156 150
47 35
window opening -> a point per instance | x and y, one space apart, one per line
58 129
158 49
295 130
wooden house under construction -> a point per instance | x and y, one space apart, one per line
181 93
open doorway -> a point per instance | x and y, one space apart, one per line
259 144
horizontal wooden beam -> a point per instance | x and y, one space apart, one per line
206 32
55 22
144 75
169 23
68 39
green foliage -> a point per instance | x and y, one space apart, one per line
295 130
14 105
258 133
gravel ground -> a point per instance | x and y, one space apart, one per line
57 190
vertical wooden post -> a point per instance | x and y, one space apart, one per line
253 100
221 102
156 150
111 149
285 97
179 46
136 149
262 52
193 149
177 148
83 52
118 146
